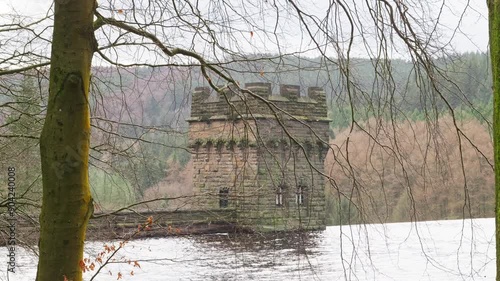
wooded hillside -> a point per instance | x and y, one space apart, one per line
414 181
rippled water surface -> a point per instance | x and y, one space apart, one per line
437 250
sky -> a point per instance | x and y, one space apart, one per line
473 32
465 32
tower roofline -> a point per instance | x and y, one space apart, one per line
231 103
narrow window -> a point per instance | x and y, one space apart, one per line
223 197
299 195
279 196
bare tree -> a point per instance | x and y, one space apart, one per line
221 44
494 9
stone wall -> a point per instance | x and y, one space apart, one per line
125 225
290 164
227 167
267 150
259 102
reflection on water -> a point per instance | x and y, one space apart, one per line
439 250
303 243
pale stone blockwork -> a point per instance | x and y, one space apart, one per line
261 155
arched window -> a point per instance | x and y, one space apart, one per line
223 197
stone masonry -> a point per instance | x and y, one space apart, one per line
261 154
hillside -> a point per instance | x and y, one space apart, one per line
418 174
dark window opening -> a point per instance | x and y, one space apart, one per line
224 197
279 195
299 195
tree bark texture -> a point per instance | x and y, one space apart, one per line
64 144
494 30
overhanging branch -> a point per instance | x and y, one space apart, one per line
22 69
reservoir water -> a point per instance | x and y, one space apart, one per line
433 250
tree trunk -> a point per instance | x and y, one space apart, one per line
64 144
494 29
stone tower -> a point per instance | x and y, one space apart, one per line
261 155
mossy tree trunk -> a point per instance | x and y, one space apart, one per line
64 144
494 29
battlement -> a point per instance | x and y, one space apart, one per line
232 103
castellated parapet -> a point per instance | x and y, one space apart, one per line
261 154
207 105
